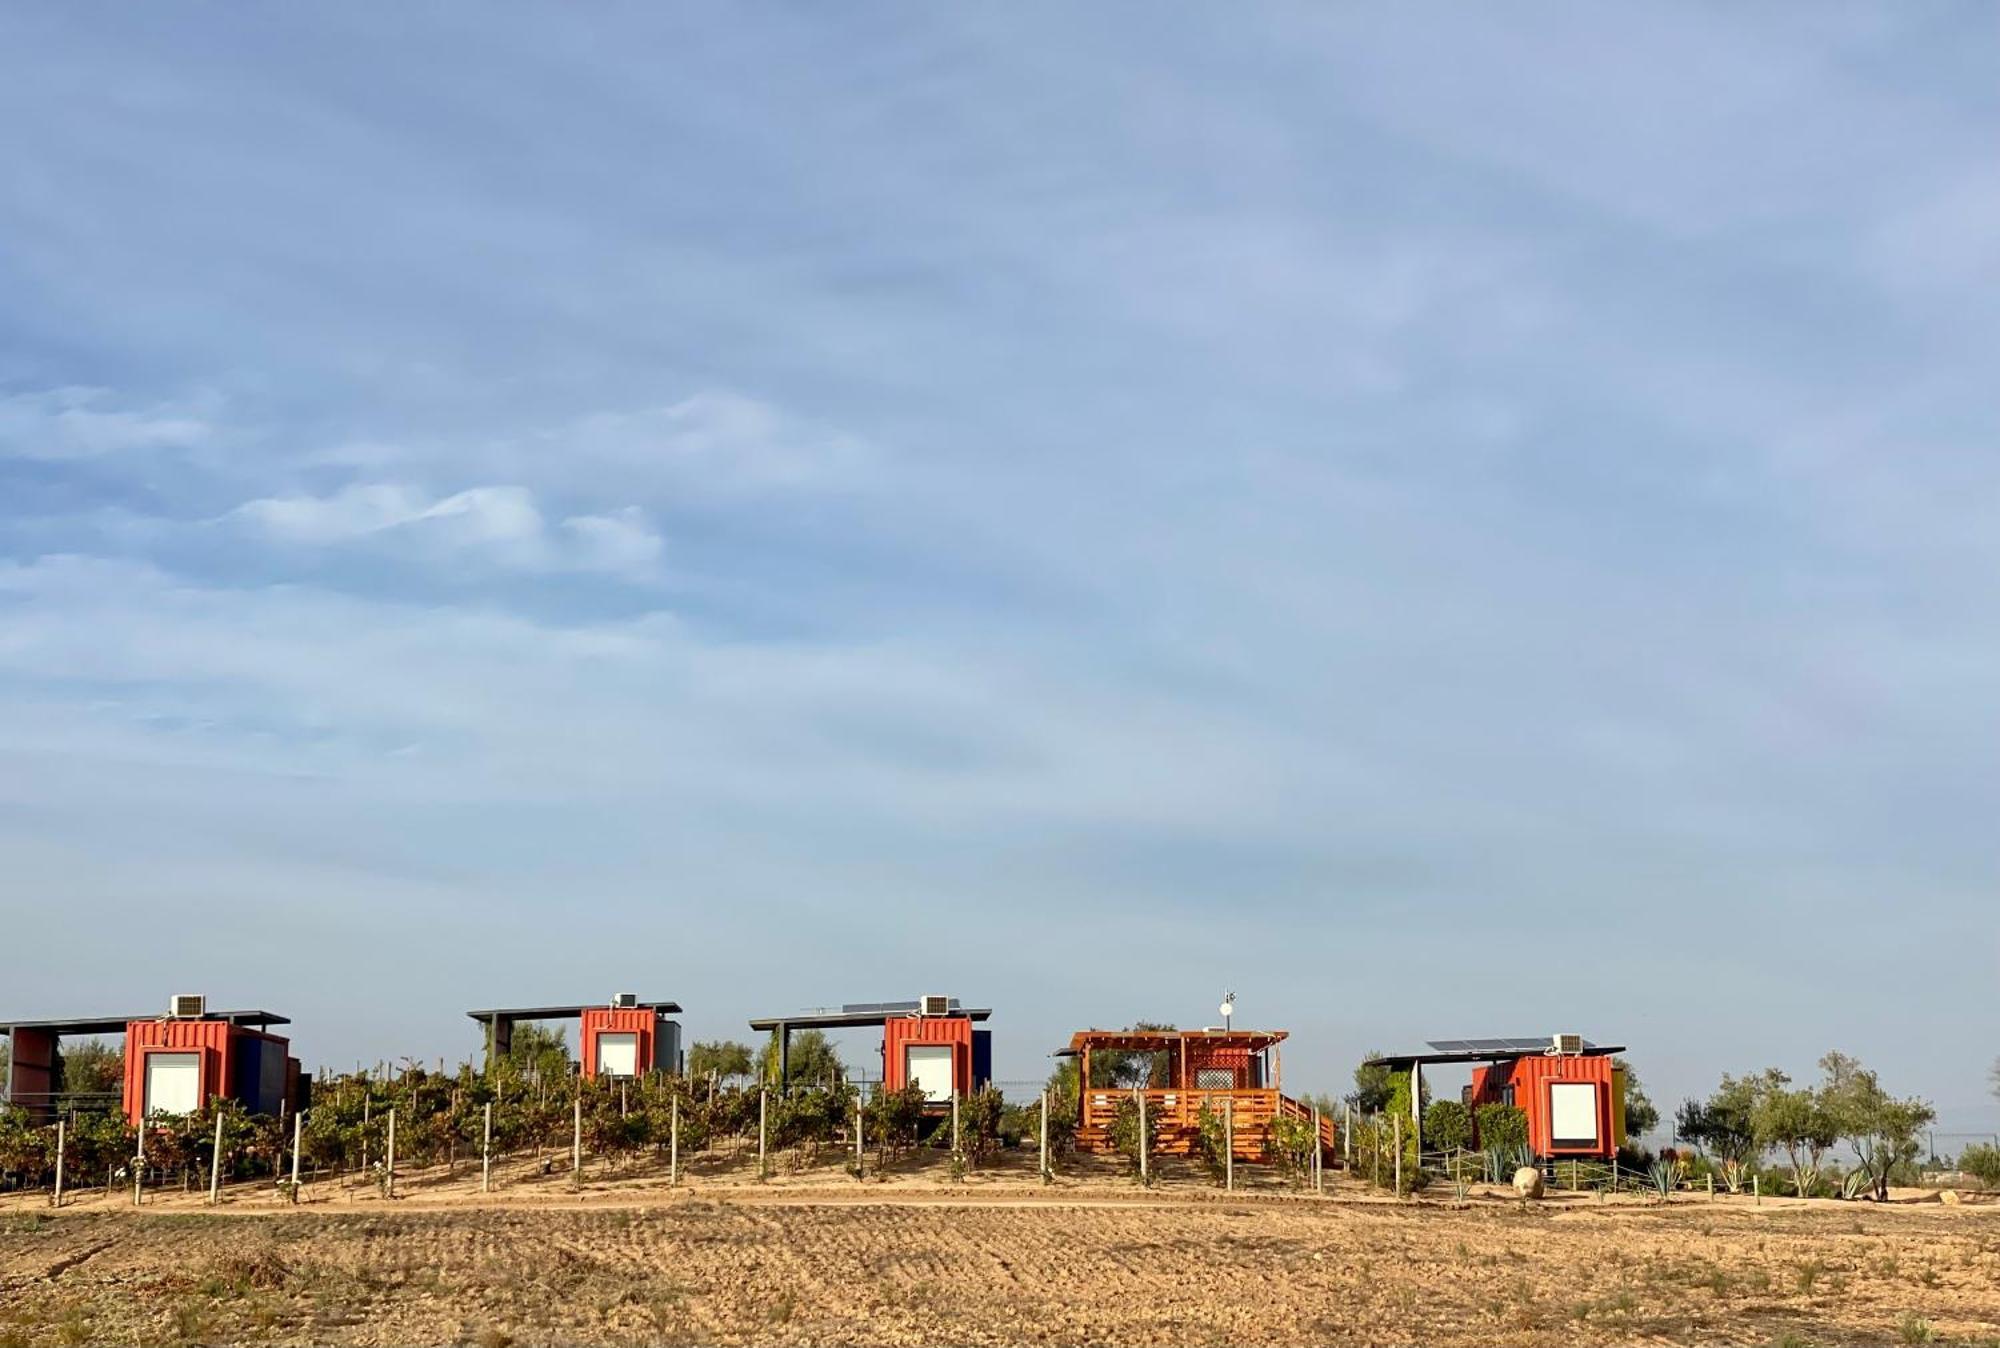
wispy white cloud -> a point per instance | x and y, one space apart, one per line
500 524
79 423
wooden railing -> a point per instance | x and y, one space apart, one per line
1174 1118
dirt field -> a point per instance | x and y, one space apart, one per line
1001 1260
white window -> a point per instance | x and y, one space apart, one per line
1573 1114
929 1066
618 1055
173 1083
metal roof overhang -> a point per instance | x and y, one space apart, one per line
1402 1062
116 1024
563 1012
855 1020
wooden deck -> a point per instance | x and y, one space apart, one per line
1173 1119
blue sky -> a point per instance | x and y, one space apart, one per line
1446 522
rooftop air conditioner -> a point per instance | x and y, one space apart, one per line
187 1006
1566 1045
934 1006
625 1001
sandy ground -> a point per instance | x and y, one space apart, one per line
816 1257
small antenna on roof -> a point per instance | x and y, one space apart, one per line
1228 1008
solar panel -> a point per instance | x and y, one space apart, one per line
886 1008
1500 1047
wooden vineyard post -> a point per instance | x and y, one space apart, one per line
860 1166
1757 1189
215 1163
61 1137
763 1112
576 1139
139 1163
1045 1137
1397 1129
1145 1171
1347 1134
486 1151
367 1098
954 1124
389 1174
298 1137
1711 1186
1319 1176
674 1142
1229 1142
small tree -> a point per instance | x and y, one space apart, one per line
1796 1122
1981 1160
1641 1115
1721 1126
721 1058
1501 1127
1882 1129
811 1060
1371 1085
1448 1125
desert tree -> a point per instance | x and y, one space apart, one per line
1721 1126
1371 1085
721 1058
1882 1130
811 1060
1795 1121
1641 1115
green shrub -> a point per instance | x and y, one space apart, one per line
1502 1127
1981 1161
1447 1126
1291 1141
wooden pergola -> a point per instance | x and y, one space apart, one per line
1233 1070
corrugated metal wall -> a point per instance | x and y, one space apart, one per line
900 1032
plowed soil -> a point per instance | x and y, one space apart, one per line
1006 1263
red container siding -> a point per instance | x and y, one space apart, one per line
899 1033
1530 1078
210 1038
641 1021
215 1040
1244 1066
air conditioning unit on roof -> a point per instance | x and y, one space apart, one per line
187 1006
1566 1045
625 1001
934 1006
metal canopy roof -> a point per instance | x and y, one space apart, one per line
1489 1050
117 1024
565 1012
859 1015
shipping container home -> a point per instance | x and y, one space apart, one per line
1569 1089
931 1042
1179 1074
624 1037
173 1064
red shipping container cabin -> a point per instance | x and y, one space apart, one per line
934 1052
930 1042
1569 1089
625 1038
1573 1104
181 1062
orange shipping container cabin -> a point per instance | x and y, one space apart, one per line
173 1064
930 1042
625 1038
1569 1089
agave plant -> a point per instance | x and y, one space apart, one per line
1853 1184
1664 1177
1502 1162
